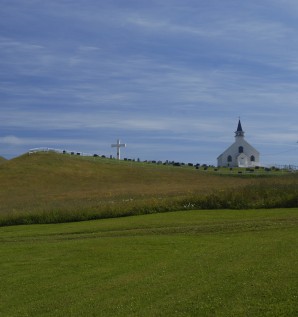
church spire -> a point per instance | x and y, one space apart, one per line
239 131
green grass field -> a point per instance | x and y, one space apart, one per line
226 262
189 263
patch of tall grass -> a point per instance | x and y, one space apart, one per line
262 195
253 196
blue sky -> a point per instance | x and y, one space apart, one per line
169 78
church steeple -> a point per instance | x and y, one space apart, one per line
239 132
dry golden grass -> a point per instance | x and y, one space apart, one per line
2 160
49 178
51 187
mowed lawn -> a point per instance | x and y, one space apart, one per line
190 263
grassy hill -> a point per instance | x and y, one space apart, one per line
51 187
2 159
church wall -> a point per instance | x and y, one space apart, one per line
239 159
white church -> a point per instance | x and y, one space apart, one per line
240 153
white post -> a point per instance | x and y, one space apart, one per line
118 146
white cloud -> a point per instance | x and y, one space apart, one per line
12 45
34 142
281 138
11 140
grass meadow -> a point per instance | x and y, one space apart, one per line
163 240
187 263
52 188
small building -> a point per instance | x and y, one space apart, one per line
240 153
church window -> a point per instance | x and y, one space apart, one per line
252 158
229 158
240 149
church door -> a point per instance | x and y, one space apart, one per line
242 160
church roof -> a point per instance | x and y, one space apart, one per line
239 128
239 132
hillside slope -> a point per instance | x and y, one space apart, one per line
2 159
28 180
88 187
64 175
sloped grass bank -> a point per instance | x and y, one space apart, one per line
52 188
2 160
258 196
191 263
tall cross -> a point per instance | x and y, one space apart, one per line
118 146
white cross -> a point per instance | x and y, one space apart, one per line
118 146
